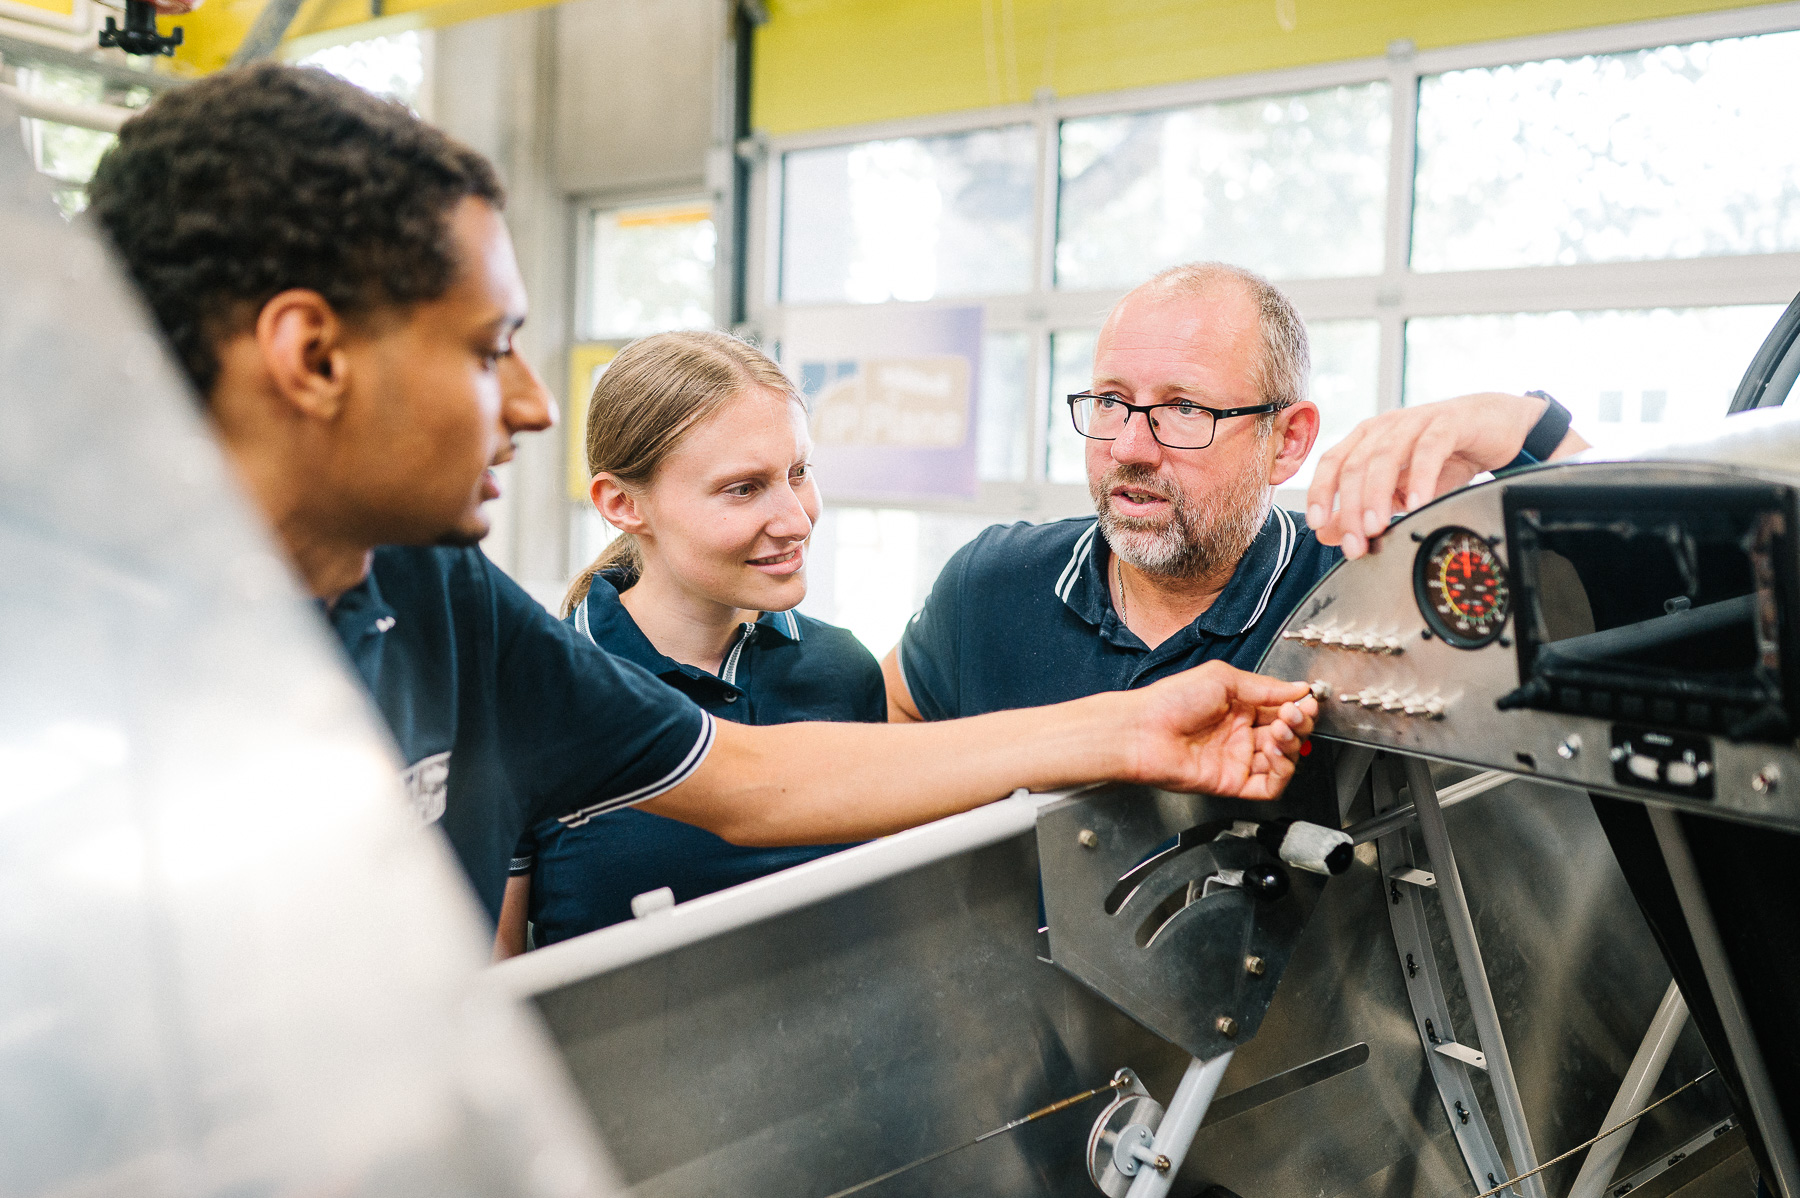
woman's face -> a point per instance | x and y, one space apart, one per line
730 512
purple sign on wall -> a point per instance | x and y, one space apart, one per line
893 395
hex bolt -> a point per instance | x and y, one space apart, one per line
1227 1026
1162 1164
1087 838
1255 966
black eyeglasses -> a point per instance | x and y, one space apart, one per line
1181 424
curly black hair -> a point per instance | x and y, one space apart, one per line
225 193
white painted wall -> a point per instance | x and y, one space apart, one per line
591 98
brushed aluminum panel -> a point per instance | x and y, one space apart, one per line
229 963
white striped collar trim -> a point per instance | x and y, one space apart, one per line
643 794
582 625
1290 541
1084 549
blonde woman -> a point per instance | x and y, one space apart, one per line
697 446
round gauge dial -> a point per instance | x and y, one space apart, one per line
1460 586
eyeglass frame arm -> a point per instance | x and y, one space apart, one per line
1132 409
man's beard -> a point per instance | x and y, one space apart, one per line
1196 540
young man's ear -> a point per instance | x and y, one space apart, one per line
301 341
616 505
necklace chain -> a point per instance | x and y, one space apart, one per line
1119 569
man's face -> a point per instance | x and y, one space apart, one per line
436 395
1181 512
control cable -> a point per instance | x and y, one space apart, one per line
1506 1185
1060 1105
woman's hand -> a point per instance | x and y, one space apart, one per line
1219 730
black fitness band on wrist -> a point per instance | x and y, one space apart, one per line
1544 436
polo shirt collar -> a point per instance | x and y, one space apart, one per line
602 618
1082 585
360 611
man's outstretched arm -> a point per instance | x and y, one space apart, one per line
1213 729
1402 459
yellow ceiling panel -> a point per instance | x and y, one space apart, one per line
827 63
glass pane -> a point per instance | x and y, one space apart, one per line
1628 377
1291 186
1345 357
1071 370
909 219
871 568
1664 153
65 153
1345 354
1005 404
388 66
651 270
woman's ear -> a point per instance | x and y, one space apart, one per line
616 505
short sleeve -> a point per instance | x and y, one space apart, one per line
524 856
931 645
585 731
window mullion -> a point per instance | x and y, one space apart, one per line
1396 261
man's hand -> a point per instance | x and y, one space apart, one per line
1218 730
1399 460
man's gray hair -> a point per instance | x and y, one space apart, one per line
1286 364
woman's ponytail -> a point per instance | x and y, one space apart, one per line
621 556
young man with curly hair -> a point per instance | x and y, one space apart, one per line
335 276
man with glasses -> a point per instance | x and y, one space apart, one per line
1197 412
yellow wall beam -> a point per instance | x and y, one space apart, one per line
216 29
826 63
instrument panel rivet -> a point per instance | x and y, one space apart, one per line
1767 779
1227 1026
1255 966
1570 748
1087 838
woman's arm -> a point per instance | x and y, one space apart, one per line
509 937
1212 729
900 706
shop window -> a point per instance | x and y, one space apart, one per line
1673 152
650 269
1005 406
1628 377
1293 187
392 66
909 218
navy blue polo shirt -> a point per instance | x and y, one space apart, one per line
786 667
505 716
1022 616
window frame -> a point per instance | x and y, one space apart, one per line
583 210
1390 298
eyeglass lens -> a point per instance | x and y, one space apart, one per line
1175 426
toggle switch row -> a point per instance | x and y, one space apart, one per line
1393 701
1338 638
